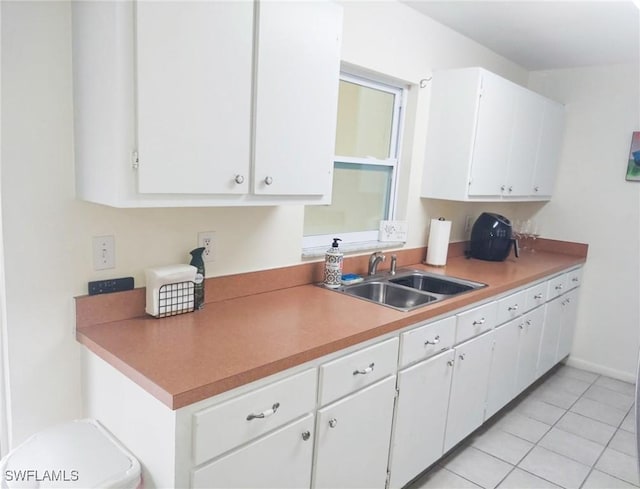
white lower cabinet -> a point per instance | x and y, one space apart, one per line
379 412
569 316
421 417
279 460
468 388
502 379
550 336
528 348
352 439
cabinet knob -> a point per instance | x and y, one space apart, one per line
510 188
461 356
503 188
365 371
521 325
528 321
435 341
239 179
536 188
264 414
333 422
306 435
450 363
268 180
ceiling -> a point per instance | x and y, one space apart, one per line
545 34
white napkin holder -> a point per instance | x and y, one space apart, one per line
170 290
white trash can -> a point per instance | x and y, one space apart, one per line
77 454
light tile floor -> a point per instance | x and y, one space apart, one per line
573 429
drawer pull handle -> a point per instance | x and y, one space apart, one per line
461 356
435 341
333 422
450 363
306 435
476 323
521 325
264 414
575 279
364 371
559 287
538 296
513 308
528 321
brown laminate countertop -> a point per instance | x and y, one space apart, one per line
188 358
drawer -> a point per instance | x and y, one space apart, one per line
574 278
475 321
427 340
358 369
536 295
280 459
557 286
511 307
236 421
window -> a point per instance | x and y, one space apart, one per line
365 165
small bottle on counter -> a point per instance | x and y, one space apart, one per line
198 262
333 266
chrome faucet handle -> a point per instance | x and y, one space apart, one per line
374 259
394 260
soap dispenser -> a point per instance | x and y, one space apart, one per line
333 265
198 262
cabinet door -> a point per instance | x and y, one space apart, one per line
493 133
352 439
504 361
569 306
279 460
468 388
527 124
549 149
528 348
194 79
421 415
296 97
550 335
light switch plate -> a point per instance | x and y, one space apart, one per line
393 231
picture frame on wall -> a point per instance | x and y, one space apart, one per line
633 167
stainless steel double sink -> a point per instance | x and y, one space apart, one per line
408 289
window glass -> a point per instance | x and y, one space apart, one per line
360 200
365 119
365 166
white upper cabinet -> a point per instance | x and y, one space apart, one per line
194 96
205 103
489 139
296 97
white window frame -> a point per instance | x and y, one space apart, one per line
309 242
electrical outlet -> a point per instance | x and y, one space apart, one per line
104 252
467 224
206 240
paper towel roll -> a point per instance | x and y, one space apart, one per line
438 242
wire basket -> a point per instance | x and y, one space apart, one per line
177 298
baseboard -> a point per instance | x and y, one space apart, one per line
601 369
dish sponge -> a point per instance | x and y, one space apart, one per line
350 278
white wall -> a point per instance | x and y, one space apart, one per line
595 205
48 233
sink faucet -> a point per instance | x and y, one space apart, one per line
374 261
394 260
